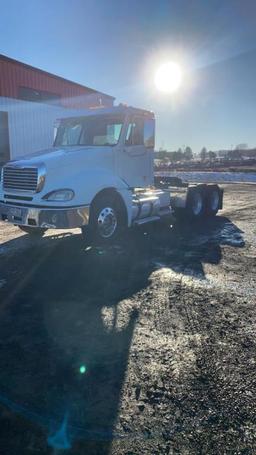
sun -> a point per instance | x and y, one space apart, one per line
168 77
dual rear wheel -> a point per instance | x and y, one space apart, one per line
203 201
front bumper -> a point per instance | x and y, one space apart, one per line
54 218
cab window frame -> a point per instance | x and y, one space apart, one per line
146 140
132 121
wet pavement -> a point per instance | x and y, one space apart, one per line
146 347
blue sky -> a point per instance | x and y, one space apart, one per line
116 46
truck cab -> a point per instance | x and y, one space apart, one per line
97 176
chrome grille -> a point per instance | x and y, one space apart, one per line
20 178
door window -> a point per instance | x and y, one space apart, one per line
141 132
149 133
134 135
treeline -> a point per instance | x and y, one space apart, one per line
234 154
179 155
187 155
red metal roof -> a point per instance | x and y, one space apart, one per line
15 74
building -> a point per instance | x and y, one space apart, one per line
31 100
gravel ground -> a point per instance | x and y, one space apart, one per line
143 348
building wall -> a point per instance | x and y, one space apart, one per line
31 125
14 74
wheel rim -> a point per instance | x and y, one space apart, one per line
214 201
197 204
107 222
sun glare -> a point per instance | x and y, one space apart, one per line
168 77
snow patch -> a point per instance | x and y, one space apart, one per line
211 177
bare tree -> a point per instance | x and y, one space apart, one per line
203 154
212 155
188 154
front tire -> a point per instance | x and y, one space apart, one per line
107 221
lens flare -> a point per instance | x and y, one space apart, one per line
82 369
168 77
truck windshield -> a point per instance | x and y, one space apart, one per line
95 131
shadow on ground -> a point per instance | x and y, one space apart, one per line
63 356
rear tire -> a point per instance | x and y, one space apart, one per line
212 202
195 204
107 221
33 231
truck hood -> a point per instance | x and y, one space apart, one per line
53 157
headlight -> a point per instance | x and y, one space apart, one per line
60 195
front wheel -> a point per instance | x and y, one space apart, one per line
107 221
33 231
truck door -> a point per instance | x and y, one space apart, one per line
135 160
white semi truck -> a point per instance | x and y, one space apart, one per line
99 176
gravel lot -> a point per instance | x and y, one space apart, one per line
143 348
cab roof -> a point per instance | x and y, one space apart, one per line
121 109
